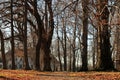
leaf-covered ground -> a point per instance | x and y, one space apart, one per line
35 75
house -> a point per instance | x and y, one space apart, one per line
19 59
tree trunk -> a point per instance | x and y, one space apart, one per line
117 47
39 34
27 67
74 61
64 44
44 35
104 60
45 46
59 56
99 40
47 38
58 46
73 47
94 49
70 63
106 54
12 38
37 59
74 39
3 51
84 36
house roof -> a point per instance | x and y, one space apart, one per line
20 52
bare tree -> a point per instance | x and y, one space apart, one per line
85 36
27 67
104 61
12 38
44 37
58 44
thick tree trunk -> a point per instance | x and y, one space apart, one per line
37 59
3 51
44 35
45 46
47 37
104 53
47 60
84 36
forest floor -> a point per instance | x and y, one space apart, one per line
35 75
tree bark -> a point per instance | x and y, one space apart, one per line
27 67
45 46
39 34
104 60
44 35
64 45
3 51
12 38
58 46
47 37
84 36
37 59
106 54
74 45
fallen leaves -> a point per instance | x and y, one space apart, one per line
35 75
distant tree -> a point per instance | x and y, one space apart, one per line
74 37
64 43
58 46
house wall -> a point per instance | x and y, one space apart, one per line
19 60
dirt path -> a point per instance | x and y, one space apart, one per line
35 75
